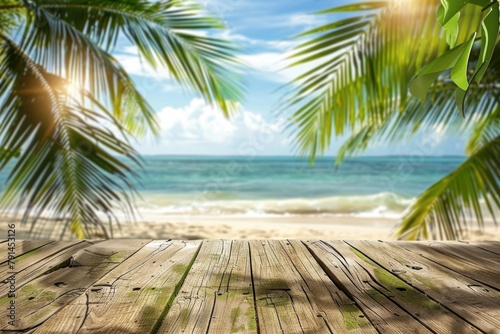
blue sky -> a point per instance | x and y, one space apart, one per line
264 29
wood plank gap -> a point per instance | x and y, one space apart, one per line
212 311
253 288
174 294
44 297
400 305
36 265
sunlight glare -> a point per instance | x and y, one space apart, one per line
73 90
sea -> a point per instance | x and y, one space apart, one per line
382 187
283 186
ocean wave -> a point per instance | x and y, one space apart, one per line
386 204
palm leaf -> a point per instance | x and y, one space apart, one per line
70 168
360 67
454 202
165 33
356 84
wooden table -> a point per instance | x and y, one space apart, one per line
273 286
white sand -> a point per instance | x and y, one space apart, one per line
226 227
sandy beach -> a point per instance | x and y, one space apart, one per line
236 227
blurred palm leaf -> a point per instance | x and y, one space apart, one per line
357 70
454 202
73 150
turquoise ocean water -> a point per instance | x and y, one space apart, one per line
287 186
381 187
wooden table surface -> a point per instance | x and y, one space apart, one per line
239 286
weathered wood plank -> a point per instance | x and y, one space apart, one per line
41 260
294 295
41 298
469 253
374 289
131 297
217 295
282 305
300 287
490 246
21 247
486 274
328 301
470 304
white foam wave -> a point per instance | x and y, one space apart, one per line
387 205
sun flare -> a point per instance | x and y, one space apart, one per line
73 89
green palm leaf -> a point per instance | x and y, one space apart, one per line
66 166
72 148
356 83
452 203
165 33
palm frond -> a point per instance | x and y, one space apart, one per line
454 202
68 167
165 33
358 77
485 129
62 49
69 142
361 68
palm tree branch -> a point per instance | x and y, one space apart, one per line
157 29
55 172
442 210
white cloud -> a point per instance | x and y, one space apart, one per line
272 66
148 77
199 122
280 45
292 20
305 20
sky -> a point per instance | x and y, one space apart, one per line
264 28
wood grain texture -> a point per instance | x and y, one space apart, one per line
440 285
490 246
133 297
41 298
21 247
217 295
372 288
255 287
42 260
484 272
294 295
339 312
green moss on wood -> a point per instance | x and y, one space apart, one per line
179 268
117 257
184 317
250 314
30 253
350 315
235 314
30 290
170 300
398 287
4 300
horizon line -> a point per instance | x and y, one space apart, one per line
303 157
